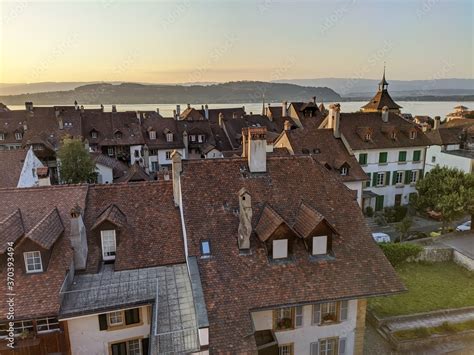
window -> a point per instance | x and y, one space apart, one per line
3 330
47 324
110 151
205 248
367 137
168 155
412 134
328 346
115 318
118 135
280 249
383 157
344 311
344 170
201 138
130 347
328 312
433 159
136 153
18 136
393 135
417 155
154 166
134 347
283 318
192 138
320 245
94 134
286 349
2 136
414 176
399 177
342 346
33 261
169 137
298 316
38 147
363 159
23 327
152 134
108 244
402 156
380 179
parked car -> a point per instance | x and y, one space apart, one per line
466 226
434 215
381 237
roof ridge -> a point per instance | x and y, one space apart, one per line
7 218
37 225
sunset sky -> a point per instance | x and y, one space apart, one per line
192 40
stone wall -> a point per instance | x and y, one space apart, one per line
463 260
434 254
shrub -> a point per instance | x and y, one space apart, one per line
395 214
369 211
397 253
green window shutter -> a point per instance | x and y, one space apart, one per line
102 321
383 157
407 177
367 183
416 155
394 178
387 178
402 156
362 159
420 174
374 179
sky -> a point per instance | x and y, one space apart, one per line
224 40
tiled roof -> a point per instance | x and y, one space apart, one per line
307 220
118 167
48 230
381 99
235 284
113 215
37 295
11 163
11 229
153 234
268 223
443 136
327 149
134 173
352 124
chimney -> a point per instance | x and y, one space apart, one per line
437 122
206 112
334 119
158 110
43 176
29 106
114 108
174 115
245 216
178 110
221 119
287 125
385 114
189 106
177 168
234 114
102 107
284 109
78 238
82 108
138 115
60 123
56 112
314 100
256 145
186 144
76 106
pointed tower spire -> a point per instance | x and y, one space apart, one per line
383 83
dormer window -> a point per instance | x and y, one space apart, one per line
152 134
169 137
344 171
18 136
94 134
192 138
33 262
412 134
367 137
201 138
393 135
109 245
118 135
280 249
205 248
320 245
2 136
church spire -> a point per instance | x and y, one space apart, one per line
383 83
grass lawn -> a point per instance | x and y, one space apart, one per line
430 287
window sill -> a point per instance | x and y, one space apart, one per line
283 330
402 162
399 186
324 324
383 164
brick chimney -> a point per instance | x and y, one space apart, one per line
178 110
314 100
254 148
177 168
78 239
437 122
114 108
334 119
245 216
385 114
29 106
284 109
206 112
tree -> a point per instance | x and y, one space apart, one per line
448 191
403 227
76 165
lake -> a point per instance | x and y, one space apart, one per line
428 108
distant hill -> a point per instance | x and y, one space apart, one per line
131 93
352 87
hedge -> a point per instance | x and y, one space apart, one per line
397 253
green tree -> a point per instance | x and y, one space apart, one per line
77 165
448 191
403 227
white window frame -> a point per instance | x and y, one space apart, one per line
35 255
344 170
320 245
30 328
324 348
285 349
412 134
381 182
280 249
18 136
368 137
138 341
153 135
109 247
299 317
169 137
414 176
94 134
115 318
168 154
2 136
110 151
200 138
400 174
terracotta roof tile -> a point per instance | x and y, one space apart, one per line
268 223
112 214
11 229
307 220
11 164
48 230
